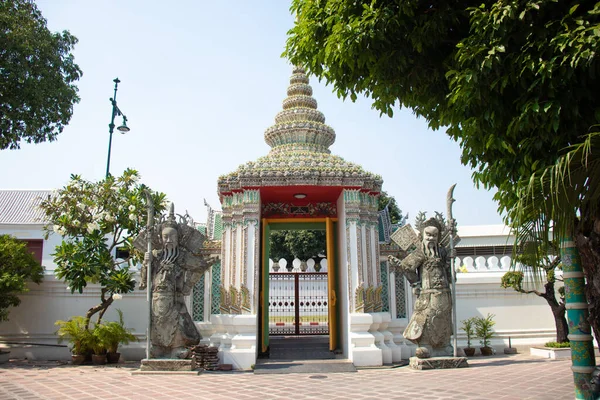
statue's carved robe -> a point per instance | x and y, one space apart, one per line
172 326
431 322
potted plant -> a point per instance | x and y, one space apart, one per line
484 330
74 330
98 344
468 325
115 334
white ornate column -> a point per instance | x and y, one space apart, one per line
388 337
363 352
374 329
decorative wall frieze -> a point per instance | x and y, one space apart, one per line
323 209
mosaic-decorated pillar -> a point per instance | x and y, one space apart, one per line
241 211
365 343
580 332
239 288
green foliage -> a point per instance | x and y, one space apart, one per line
38 72
115 333
76 332
396 215
512 279
468 325
504 78
484 329
301 244
94 219
17 266
557 345
561 198
98 339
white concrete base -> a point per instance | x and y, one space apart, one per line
388 338
363 352
551 353
555 353
375 330
396 327
242 353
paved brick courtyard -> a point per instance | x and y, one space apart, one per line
497 377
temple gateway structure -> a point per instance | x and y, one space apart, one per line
300 185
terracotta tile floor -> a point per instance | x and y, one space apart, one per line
497 377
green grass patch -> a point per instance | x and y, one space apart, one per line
557 345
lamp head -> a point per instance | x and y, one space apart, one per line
124 128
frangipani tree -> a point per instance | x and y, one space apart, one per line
96 218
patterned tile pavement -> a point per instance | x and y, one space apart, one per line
497 377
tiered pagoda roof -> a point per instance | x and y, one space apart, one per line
300 154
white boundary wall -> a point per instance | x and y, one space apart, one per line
527 319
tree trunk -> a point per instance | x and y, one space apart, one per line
101 308
558 311
560 320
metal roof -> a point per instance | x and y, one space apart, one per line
21 206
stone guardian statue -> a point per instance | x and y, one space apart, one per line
176 267
427 268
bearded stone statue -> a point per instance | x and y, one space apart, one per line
175 269
428 270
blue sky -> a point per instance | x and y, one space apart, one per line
200 83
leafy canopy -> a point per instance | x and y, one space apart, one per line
17 266
94 219
37 71
396 216
513 82
301 244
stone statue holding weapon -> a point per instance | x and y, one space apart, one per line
172 270
428 269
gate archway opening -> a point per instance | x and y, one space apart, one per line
299 303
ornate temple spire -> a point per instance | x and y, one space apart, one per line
300 126
300 154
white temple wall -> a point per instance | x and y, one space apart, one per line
30 331
527 319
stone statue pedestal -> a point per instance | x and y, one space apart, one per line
438 363
168 365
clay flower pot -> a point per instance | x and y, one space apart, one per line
486 351
98 359
113 358
469 351
78 359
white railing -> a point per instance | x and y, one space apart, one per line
482 263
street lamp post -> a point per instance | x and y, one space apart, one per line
123 128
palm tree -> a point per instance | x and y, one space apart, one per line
526 275
562 202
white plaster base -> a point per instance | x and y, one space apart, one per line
388 338
555 353
242 353
375 330
363 351
396 327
